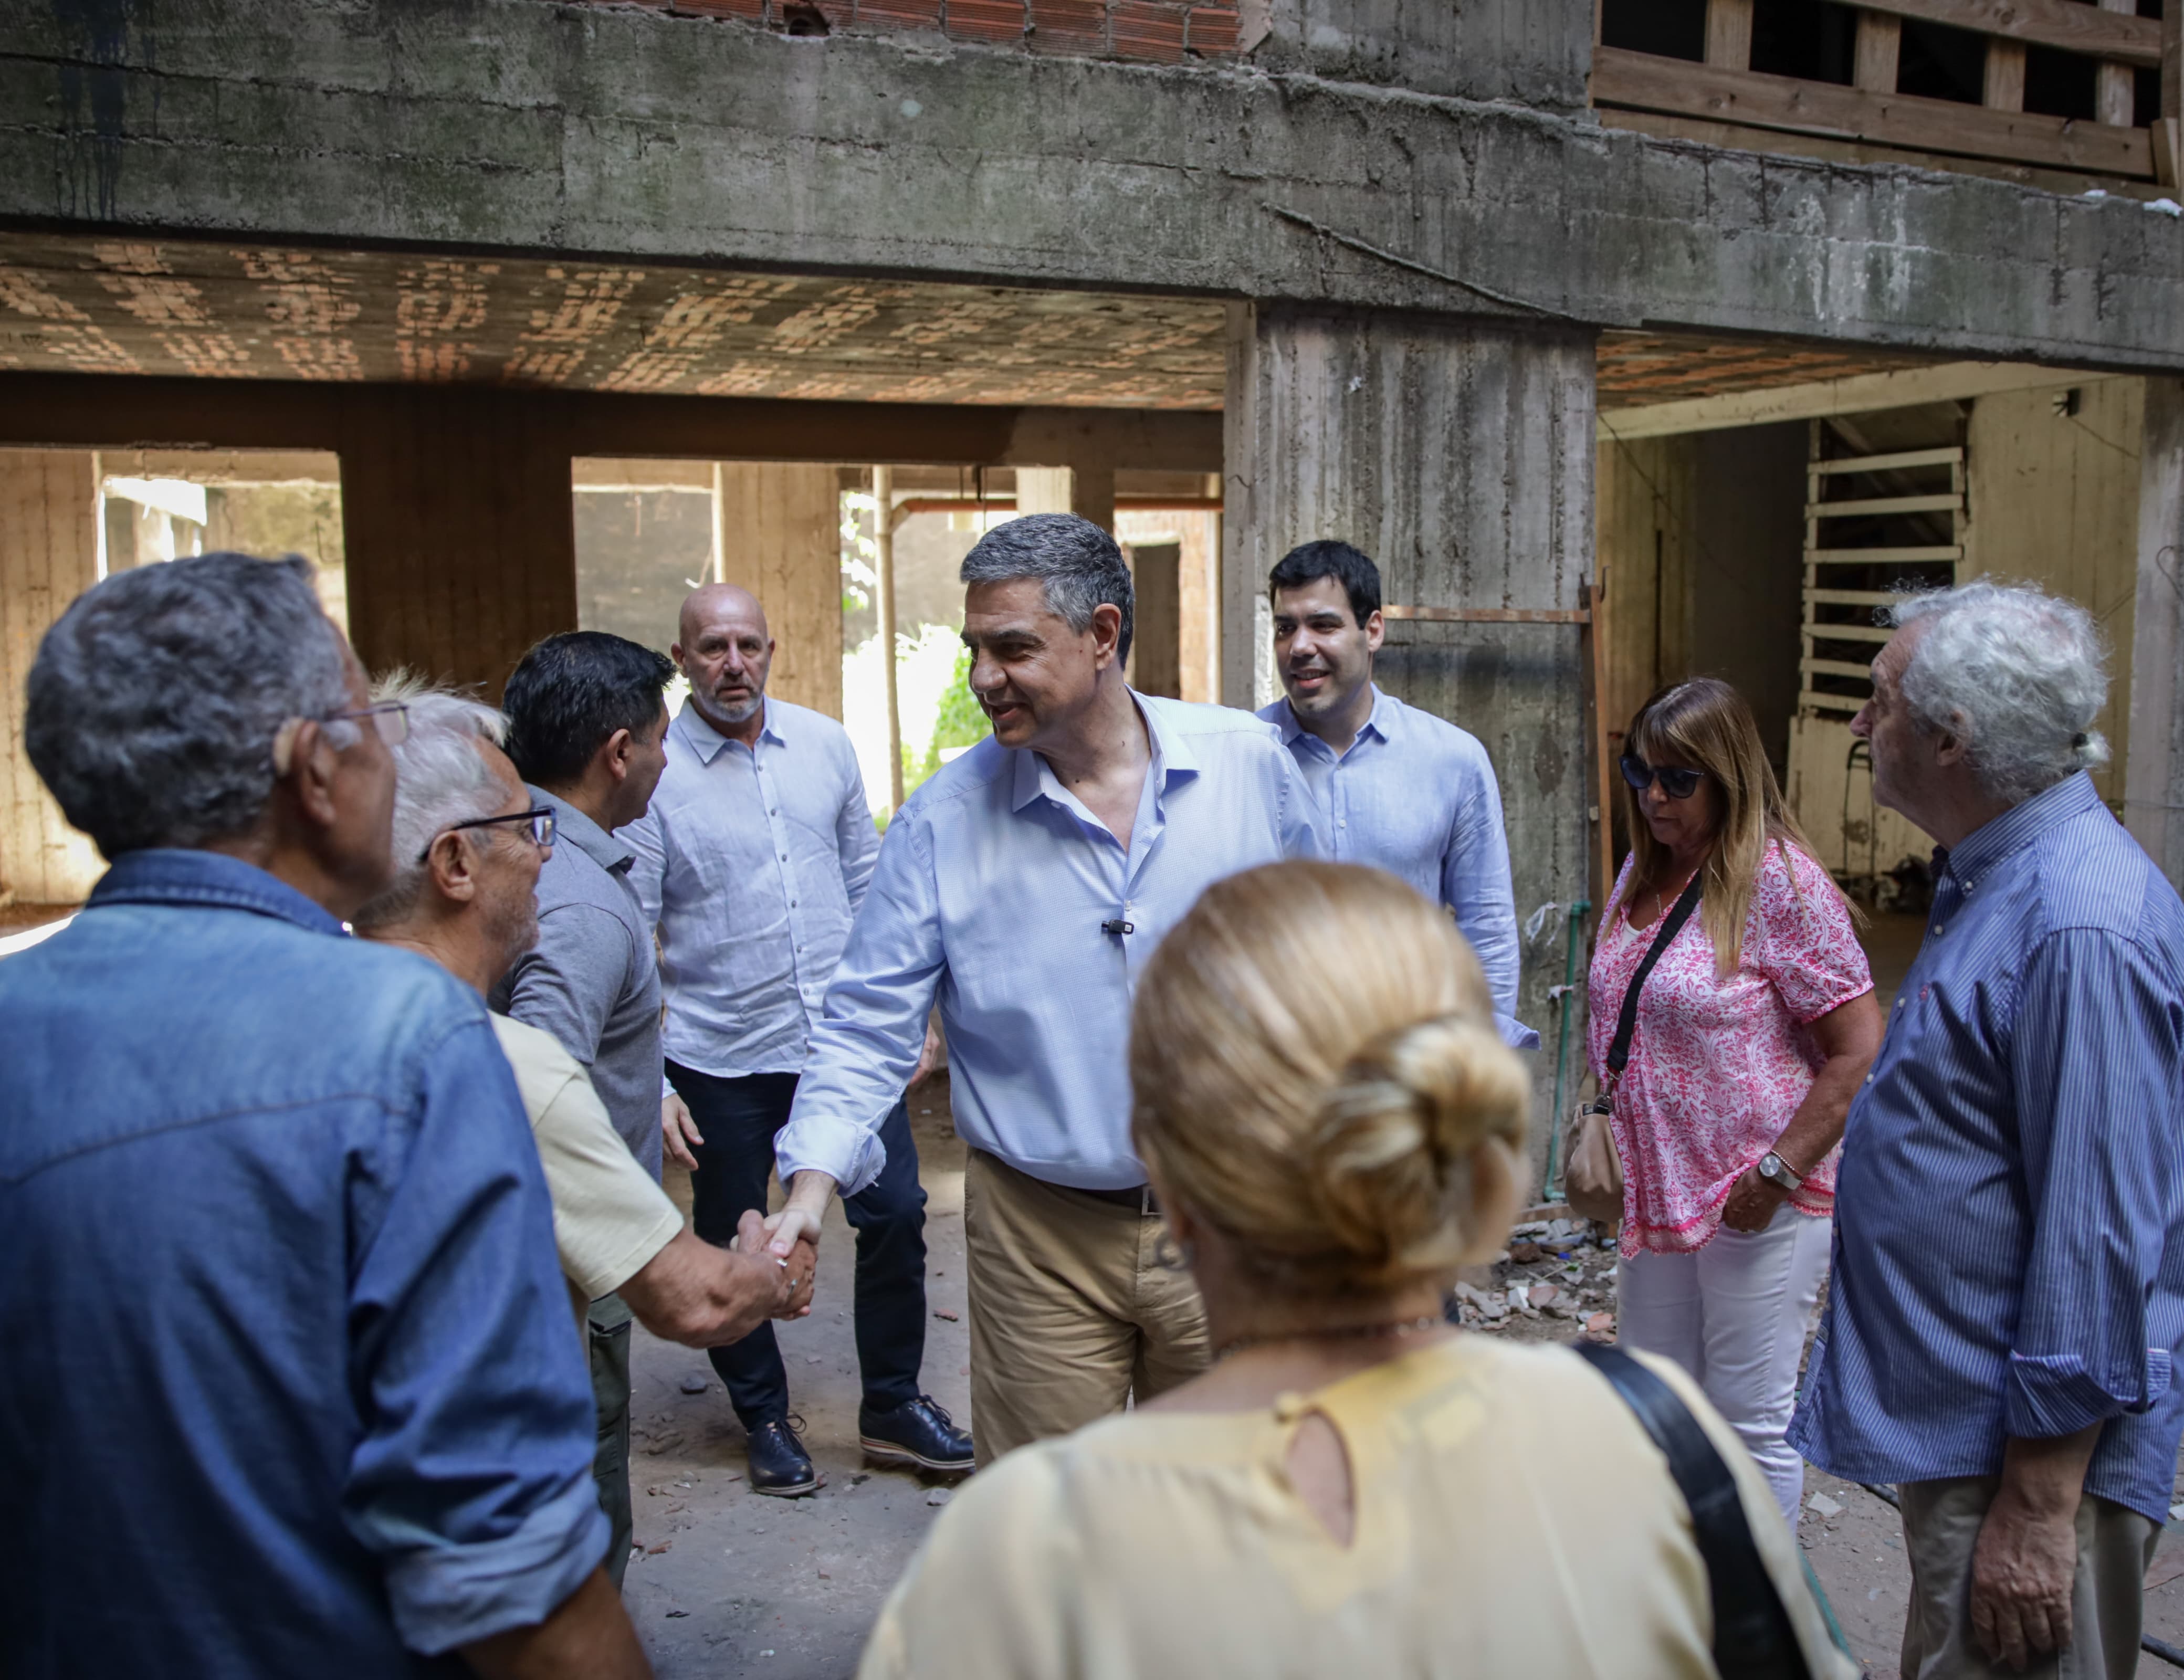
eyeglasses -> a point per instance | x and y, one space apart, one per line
391 718
1676 783
540 817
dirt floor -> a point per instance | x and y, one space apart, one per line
728 1583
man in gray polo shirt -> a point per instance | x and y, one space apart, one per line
587 726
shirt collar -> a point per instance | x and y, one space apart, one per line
2018 827
164 874
1376 722
707 741
1171 757
573 826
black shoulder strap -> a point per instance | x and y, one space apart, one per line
1752 1638
1619 1053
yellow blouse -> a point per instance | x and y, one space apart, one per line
1511 1518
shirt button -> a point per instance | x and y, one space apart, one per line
784 857
1342 822
1940 928
1869 1079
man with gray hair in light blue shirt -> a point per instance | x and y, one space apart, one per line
1022 889
1398 789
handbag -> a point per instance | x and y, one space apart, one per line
1752 1636
1592 1180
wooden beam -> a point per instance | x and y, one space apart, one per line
1883 504
1620 77
1933 553
1880 48
2115 88
1488 615
1897 462
2004 87
2064 24
94 411
884 569
1859 393
1729 34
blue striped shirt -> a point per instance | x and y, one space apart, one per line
2010 1220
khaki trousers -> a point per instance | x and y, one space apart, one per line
1940 1525
1071 1310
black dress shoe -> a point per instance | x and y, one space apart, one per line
917 1432
779 1465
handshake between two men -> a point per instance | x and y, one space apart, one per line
705 1297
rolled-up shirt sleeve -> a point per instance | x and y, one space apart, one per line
2095 1056
866 1044
471 1478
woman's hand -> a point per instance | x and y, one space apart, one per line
1752 1204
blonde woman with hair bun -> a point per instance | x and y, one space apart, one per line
1333 1127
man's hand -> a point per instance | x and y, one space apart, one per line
2026 1558
799 1221
704 1297
1752 1204
928 1059
678 1132
587 1637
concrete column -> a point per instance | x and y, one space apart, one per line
1157 641
1085 488
2153 769
782 525
457 519
1458 454
48 556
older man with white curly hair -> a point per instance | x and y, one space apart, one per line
2008 1302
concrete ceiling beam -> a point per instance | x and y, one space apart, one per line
626 136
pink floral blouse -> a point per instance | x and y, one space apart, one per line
1718 1066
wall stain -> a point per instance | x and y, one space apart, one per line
94 95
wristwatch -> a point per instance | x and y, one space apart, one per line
1779 1172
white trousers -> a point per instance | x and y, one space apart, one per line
1735 1316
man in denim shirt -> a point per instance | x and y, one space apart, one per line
290 1387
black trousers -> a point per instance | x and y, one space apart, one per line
739 1118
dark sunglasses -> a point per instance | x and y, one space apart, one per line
1675 784
541 818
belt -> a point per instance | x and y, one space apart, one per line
1138 1199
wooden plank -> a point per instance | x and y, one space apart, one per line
1621 77
2074 27
2115 89
1880 557
1904 387
1878 50
1848 633
1833 703
1834 668
1855 597
1901 459
1488 615
1884 504
2002 82
1729 34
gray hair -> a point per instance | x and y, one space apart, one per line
1078 564
155 698
2014 673
440 779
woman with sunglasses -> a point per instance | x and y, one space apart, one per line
1752 1031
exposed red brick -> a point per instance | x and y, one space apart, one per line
1070 26
1212 31
1148 30
899 13
752 10
986 19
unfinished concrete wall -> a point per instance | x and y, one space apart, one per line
782 527
512 125
2153 775
48 556
459 535
2054 500
1459 454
